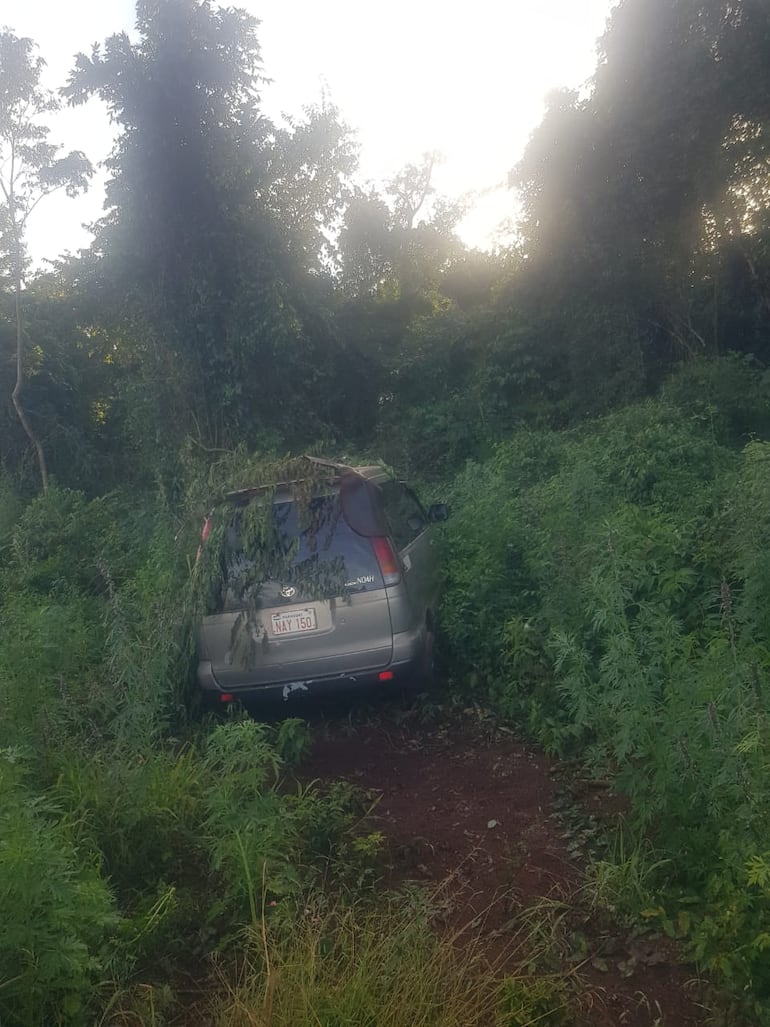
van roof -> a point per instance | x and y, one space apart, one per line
373 473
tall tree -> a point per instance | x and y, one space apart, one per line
307 185
215 218
639 196
30 170
397 250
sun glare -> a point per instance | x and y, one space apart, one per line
410 77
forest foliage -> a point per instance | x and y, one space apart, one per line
594 399
609 587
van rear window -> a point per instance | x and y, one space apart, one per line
312 549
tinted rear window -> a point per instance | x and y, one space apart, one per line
313 549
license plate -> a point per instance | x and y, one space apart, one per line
293 622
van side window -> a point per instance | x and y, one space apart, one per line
406 517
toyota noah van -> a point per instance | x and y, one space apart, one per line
319 590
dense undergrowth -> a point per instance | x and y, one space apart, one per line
609 587
608 567
151 856
130 830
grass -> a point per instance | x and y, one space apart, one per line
349 966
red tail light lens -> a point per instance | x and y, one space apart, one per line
386 558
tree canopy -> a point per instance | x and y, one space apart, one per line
244 286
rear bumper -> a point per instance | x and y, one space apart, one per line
404 668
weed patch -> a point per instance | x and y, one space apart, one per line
338 965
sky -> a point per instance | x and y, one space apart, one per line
412 76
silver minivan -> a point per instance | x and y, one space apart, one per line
322 590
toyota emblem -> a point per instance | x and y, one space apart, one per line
288 591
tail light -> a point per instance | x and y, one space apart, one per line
205 532
386 558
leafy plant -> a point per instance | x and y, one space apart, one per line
256 832
631 628
59 918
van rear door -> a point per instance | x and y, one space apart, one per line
308 601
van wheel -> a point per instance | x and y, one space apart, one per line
428 673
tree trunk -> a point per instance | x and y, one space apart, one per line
16 394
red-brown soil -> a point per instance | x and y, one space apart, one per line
469 813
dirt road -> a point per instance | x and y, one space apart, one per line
473 814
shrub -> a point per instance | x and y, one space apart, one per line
617 602
58 916
259 835
50 659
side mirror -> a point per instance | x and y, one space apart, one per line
438 512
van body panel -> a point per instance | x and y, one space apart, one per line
349 635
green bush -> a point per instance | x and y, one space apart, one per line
615 598
96 638
729 397
141 812
261 837
63 539
59 920
50 661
